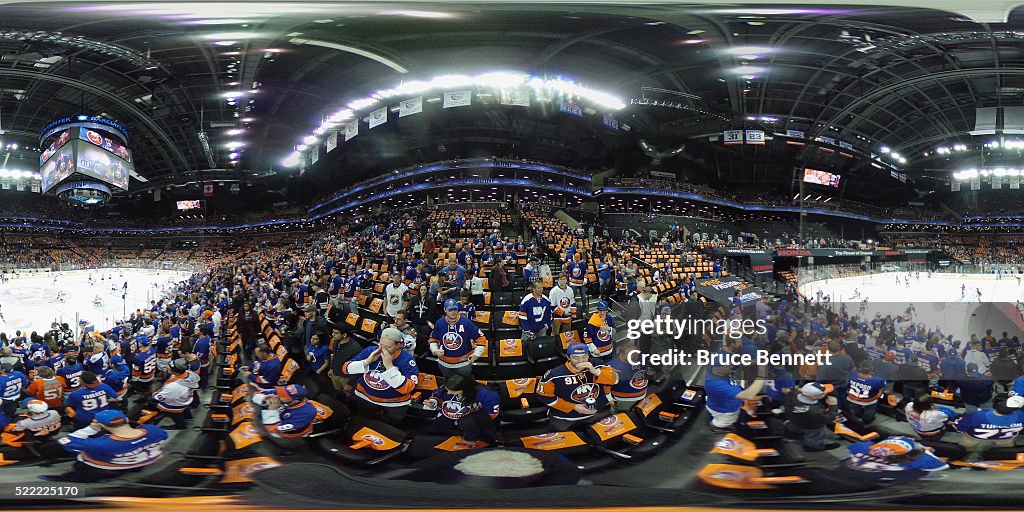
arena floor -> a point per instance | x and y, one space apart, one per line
937 299
31 303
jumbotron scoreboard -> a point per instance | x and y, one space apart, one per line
84 159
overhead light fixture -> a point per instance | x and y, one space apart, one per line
225 43
747 70
236 131
233 145
417 14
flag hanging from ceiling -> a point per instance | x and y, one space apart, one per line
975 183
315 153
570 107
208 189
732 137
1014 182
332 141
156 195
519 96
36 187
351 129
378 117
997 182
410 106
611 121
457 99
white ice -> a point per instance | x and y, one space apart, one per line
31 303
937 299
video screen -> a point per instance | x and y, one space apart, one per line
58 167
63 139
107 143
821 178
190 205
104 166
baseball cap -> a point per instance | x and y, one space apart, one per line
1015 402
117 360
602 305
143 340
814 389
36 406
292 391
576 349
309 308
111 417
451 304
7 367
180 364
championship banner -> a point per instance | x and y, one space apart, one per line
954 186
611 121
410 106
519 96
755 137
315 153
6 184
570 107
156 195
457 99
826 140
332 141
351 130
732 137
1014 182
997 182
845 145
796 134
976 184
378 117
36 187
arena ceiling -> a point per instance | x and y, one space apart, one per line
906 78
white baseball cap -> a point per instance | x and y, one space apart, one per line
1015 402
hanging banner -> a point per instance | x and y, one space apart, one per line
1014 182
570 107
954 186
519 96
845 145
6 185
208 189
457 99
732 137
35 186
755 137
611 121
351 130
410 106
315 153
235 188
976 184
332 141
378 117
997 182
796 134
156 195
826 140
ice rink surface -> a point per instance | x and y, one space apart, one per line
937 299
31 303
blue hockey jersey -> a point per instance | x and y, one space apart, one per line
117 453
382 386
989 426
